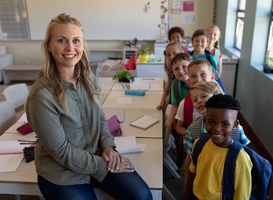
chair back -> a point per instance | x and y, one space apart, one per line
16 94
7 116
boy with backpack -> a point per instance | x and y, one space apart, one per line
207 168
200 42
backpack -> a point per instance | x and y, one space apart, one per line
261 172
178 91
188 110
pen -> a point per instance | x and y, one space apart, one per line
123 86
25 140
28 143
10 153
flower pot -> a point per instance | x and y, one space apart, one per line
125 80
143 58
267 69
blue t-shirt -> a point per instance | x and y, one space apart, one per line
212 60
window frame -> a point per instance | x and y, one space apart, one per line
239 10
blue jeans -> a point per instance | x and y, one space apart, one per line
118 185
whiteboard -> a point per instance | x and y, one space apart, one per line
101 19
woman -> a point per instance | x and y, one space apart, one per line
74 150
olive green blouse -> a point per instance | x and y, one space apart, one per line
69 146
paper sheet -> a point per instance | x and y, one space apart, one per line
124 100
10 163
140 85
128 145
12 146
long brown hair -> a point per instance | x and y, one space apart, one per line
82 68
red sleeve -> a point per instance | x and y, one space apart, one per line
220 55
212 51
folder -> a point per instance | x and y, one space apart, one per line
25 129
114 126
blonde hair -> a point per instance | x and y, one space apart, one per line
176 44
217 43
200 61
50 72
208 87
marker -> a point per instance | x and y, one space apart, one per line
28 143
10 153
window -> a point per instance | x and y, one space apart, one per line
240 24
269 50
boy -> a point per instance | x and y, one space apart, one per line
179 67
200 42
198 70
206 179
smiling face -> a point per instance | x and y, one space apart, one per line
199 99
214 34
219 123
200 43
171 51
176 37
66 45
199 73
180 70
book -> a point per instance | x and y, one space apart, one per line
128 145
144 122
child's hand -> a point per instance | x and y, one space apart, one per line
161 107
170 123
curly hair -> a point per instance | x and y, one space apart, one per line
224 101
176 29
181 56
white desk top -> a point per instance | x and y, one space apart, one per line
149 101
106 83
162 57
131 114
148 164
156 84
103 95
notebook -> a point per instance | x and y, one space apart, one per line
144 122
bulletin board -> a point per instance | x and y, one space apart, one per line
101 19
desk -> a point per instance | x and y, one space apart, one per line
21 73
131 114
148 164
106 83
151 69
149 101
156 84
103 95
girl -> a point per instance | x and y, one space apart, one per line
172 49
214 46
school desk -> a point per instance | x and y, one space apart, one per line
21 73
156 84
148 164
150 100
103 95
106 83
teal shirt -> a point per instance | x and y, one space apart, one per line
69 146
213 63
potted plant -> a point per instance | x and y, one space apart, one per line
144 52
268 64
123 76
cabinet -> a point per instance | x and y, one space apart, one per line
151 69
128 52
159 48
229 72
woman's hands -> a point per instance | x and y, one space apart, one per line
116 162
